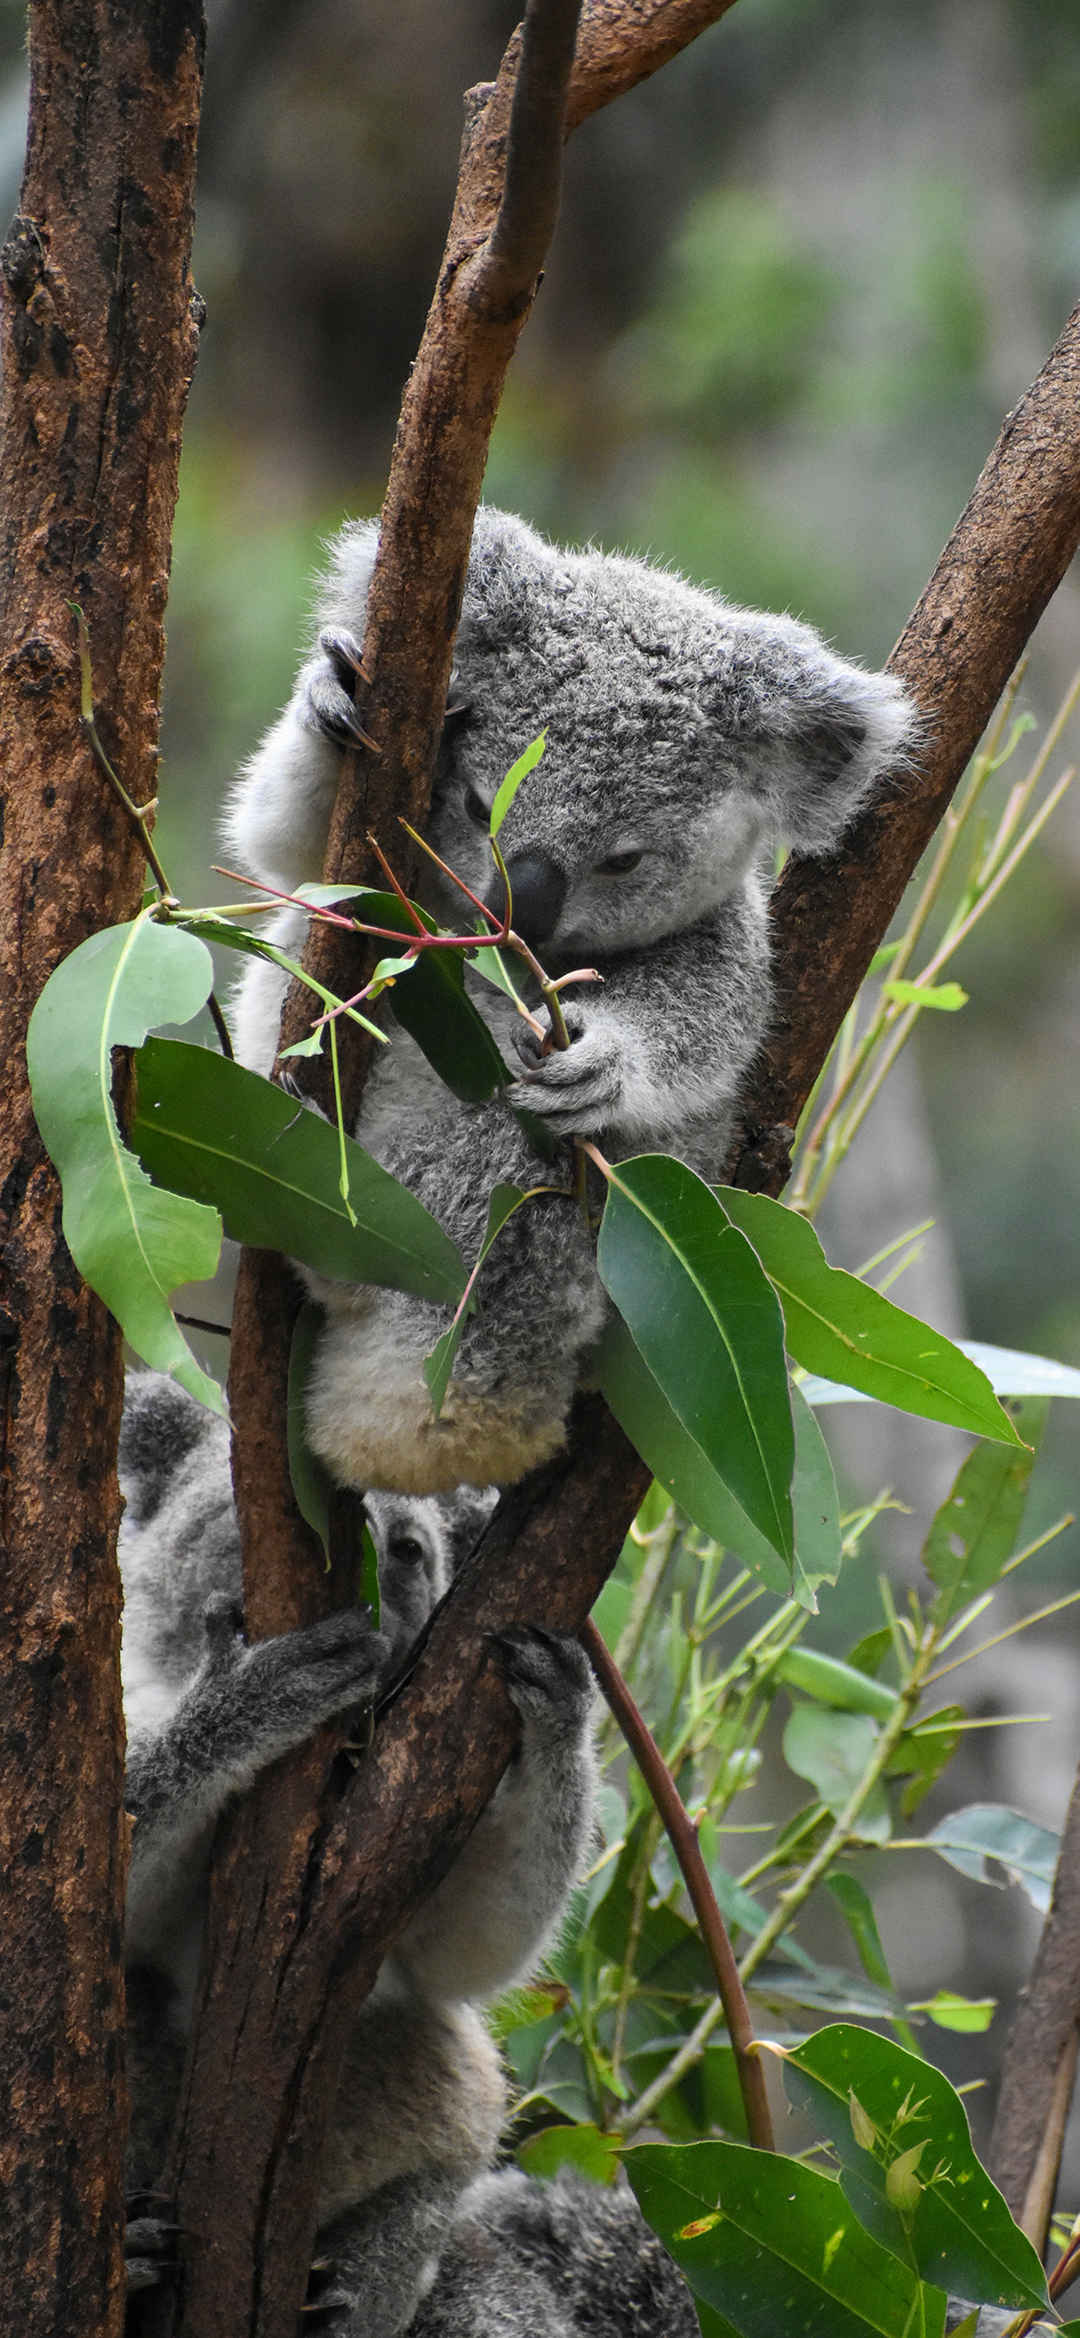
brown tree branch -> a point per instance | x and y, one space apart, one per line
1040 2056
504 273
99 342
682 1835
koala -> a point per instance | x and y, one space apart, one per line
685 738
566 2259
422 2097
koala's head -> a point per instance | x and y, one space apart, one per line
421 1541
682 735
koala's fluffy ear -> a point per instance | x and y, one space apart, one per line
813 734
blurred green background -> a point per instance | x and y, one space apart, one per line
798 279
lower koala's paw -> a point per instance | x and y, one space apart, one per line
547 1675
305 1678
329 2305
330 683
150 2253
575 1090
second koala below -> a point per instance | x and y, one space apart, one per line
407 2211
685 738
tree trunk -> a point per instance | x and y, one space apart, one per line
98 346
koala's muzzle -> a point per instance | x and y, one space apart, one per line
537 890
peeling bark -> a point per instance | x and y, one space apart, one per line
98 347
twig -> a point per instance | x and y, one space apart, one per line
1042 2037
138 814
505 272
682 1836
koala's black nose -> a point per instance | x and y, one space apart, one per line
538 890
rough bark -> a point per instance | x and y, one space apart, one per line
1041 2040
98 346
1005 558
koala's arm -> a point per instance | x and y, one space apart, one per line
244 1708
661 1045
489 1920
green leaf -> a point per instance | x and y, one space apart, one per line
677 1461
987 1830
312 1483
1009 1371
211 928
503 1201
958 2232
924 1752
974 1532
586 2148
834 1750
132 1243
946 996
841 1328
705 1319
951 2012
774 2246
857 1908
830 1682
430 1003
504 794
207 1128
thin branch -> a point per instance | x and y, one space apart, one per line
682 1835
506 272
1042 2038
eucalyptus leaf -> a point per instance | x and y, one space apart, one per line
974 1532
704 1317
133 1243
507 790
843 1329
987 1830
772 2245
833 1750
438 1366
1009 1370
958 2231
678 1462
312 1483
207 1128
583 2147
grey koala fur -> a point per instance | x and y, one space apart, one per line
684 738
421 2098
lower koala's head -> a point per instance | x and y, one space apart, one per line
420 1542
682 735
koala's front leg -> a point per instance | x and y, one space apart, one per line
577 1090
244 1708
373 2265
490 1919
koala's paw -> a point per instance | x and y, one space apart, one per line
548 1678
331 681
576 1090
150 2253
305 1678
329 2306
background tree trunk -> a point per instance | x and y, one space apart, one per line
99 342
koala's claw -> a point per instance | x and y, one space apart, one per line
325 2303
575 1090
330 688
150 2256
546 1673
309 1676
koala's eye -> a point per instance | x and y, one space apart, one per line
619 864
407 1549
478 811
